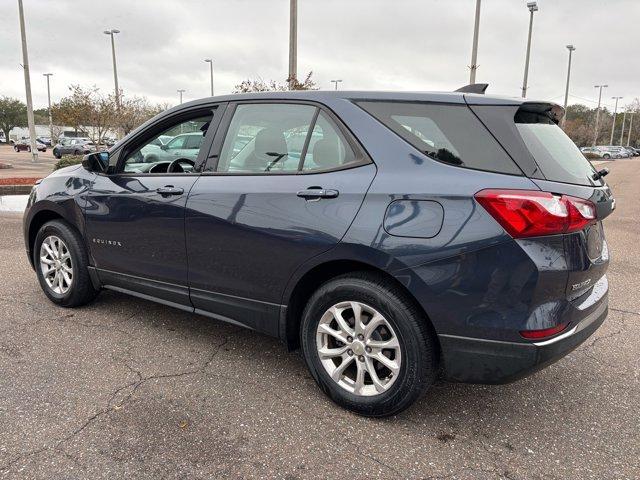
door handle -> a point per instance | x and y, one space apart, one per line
317 193
170 190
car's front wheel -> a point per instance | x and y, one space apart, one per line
367 345
61 262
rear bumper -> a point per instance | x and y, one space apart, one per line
476 360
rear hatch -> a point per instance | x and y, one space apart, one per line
530 134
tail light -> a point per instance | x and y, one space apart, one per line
545 333
524 213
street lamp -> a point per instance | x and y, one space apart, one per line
49 99
533 7
615 112
474 49
181 91
571 48
115 69
293 42
27 86
624 119
210 62
630 127
595 137
336 83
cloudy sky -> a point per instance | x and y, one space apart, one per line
370 44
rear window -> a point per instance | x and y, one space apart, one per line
448 133
559 159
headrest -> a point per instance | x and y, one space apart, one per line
326 153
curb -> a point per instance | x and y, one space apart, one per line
15 189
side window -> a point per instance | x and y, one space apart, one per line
173 150
327 147
266 138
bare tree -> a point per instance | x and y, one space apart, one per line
260 85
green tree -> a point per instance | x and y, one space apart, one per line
13 113
261 85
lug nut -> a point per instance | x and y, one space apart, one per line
349 339
368 349
350 352
360 337
361 358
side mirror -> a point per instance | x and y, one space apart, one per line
163 147
96 162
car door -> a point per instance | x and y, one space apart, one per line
135 213
283 183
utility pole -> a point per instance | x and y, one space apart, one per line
571 48
624 119
615 112
595 137
49 100
336 82
27 87
533 7
293 42
210 62
115 68
474 49
181 91
630 127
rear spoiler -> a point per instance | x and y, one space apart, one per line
474 88
552 110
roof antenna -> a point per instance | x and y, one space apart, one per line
474 88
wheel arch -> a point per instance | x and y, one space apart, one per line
46 212
305 284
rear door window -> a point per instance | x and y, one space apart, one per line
445 132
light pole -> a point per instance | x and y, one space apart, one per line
293 42
181 91
571 48
595 137
210 62
474 49
624 119
630 127
27 87
533 7
615 112
336 82
115 69
49 100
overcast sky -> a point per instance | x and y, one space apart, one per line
370 44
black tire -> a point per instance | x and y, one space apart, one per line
81 290
57 155
606 155
77 152
418 367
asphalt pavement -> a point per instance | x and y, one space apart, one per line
125 388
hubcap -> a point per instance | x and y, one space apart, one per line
56 266
358 348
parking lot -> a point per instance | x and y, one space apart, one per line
126 388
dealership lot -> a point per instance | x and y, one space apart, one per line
125 387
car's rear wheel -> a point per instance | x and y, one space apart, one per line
606 155
15 147
77 152
61 262
367 345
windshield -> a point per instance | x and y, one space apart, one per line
555 153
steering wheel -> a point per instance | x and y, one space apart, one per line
176 165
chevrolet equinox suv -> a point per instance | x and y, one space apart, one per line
391 236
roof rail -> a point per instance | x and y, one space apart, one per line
474 88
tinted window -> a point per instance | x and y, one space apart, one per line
327 147
555 153
266 138
448 133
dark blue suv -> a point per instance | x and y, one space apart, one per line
391 236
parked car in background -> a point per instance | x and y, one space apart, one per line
24 145
409 235
73 146
185 145
631 151
594 153
45 140
617 151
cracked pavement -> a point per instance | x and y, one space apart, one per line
125 388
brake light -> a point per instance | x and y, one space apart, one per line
524 213
544 333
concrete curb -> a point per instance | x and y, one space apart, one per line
15 189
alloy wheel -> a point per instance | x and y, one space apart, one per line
56 264
358 348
